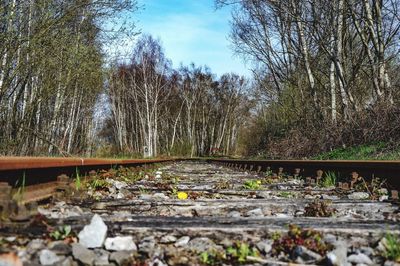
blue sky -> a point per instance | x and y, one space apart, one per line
191 31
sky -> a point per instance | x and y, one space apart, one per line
191 31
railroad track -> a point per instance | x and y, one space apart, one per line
231 206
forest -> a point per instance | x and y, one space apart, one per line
324 76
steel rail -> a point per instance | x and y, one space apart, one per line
389 170
39 178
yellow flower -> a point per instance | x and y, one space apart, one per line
259 182
182 195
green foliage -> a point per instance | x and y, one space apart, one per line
212 257
373 151
240 251
252 184
98 184
19 195
78 181
286 194
61 233
392 247
329 179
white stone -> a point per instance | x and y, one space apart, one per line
255 213
120 184
360 258
183 241
48 257
120 243
358 195
94 234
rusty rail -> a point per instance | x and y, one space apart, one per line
389 170
39 178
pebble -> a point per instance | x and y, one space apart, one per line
305 254
147 244
120 257
60 248
35 245
265 246
120 243
145 197
201 244
48 257
82 254
94 234
167 239
160 196
181 242
358 196
367 251
255 213
338 257
69 261
359 258
329 197
234 214
101 258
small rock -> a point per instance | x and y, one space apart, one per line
60 248
234 214
35 245
158 173
147 244
181 242
158 177
330 239
338 256
255 213
367 251
384 197
120 184
120 243
120 257
94 234
358 196
264 246
309 197
329 197
10 238
160 196
359 258
201 244
145 197
101 258
391 263
69 261
305 254
281 215
167 239
48 257
82 254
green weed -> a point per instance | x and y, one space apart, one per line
329 179
392 251
19 195
252 184
61 233
240 251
